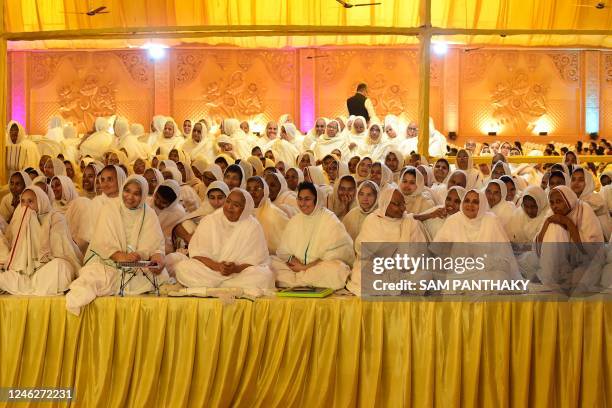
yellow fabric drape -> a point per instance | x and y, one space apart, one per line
3 98
149 351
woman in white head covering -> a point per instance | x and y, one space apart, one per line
434 218
466 163
90 178
170 139
343 197
367 197
290 133
316 176
64 192
294 176
272 219
157 130
381 174
231 128
215 198
496 192
228 250
583 184
412 186
199 144
315 248
54 167
606 189
330 141
18 181
572 222
188 197
280 195
96 144
437 141
527 220
55 131
408 142
392 129
387 225
111 179
43 258
126 140
284 150
169 210
358 134
374 145
20 151
305 159
474 232
127 231
394 160
441 174
313 135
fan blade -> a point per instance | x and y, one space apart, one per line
98 10
367 4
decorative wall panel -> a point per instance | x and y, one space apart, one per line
82 85
520 93
258 85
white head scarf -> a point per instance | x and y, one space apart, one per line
69 191
502 187
144 188
384 199
59 168
249 204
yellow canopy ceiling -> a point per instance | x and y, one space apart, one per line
162 16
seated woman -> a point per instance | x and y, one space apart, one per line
154 178
387 225
187 196
367 197
466 163
583 184
513 194
315 248
563 266
474 232
434 218
88 182
234 177
342 199
215 198
54 167
412 187
527 220
127 231
394 160
280 195
294 177
64 193
381 174
18 182
111 178
169 210
362 171
316 176
43 259
496 197
273 220
228 249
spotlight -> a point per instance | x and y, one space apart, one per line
155 51
440 48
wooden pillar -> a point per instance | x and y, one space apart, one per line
424 74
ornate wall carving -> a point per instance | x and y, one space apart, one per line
82 85
568 65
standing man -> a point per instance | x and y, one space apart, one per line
360 105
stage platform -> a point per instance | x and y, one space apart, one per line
335 352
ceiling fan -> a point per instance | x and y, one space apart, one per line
350 5
600 5
92 12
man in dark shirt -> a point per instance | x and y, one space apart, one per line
360 105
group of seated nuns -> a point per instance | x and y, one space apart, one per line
257 223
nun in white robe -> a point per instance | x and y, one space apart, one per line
6 204
357 140
355 217
282 149
188 196
165 143
417 202
242 147
204 148
157 125
326 144
320 243
595 200
381 228
464 236
285 199
170 216
441 212
273 220
474 177
335 203
126 140
191 220
67 193
565 263
523 228
374 145
293 136
316 176
102 200
43 259
55 132
99 142
504 209
21 154
437 141
223 244
122 234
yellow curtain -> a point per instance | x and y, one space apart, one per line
148 351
